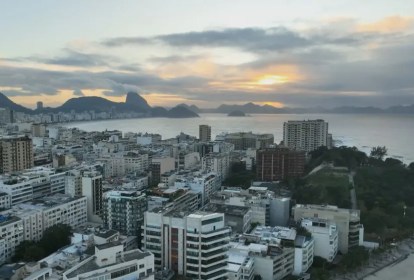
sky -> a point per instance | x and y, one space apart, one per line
285 53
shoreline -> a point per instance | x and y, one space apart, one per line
398 259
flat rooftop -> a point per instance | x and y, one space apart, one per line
91 264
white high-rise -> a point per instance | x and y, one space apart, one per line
193 245
92 189
305 135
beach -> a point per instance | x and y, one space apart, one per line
396 263
403 270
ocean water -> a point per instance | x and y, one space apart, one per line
363 131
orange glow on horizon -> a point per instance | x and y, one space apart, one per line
272 103
272 80
388 24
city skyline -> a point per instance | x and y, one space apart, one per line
267 52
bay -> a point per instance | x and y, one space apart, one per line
363 131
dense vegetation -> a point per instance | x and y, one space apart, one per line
239 176
384 189
323 187
54 238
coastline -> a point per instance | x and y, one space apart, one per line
397 262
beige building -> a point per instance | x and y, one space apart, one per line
16 153
305 135
350 231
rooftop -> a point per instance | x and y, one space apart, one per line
91 265
232 210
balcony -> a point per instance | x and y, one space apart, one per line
216 253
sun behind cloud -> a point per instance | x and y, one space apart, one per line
272 80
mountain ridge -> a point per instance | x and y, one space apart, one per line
135 103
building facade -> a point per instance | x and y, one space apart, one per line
124 211
276 164
204 133
193 245
350 230
16 154
305 135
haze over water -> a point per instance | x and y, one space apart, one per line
364 131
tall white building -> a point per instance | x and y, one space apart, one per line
350 230
325 234
92 190
305 135
192 245
218 163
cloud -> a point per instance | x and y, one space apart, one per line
72 58
388 25
254 40
251 39
318 67
78 92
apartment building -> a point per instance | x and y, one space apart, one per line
245 140
325 234
276 164
11 235
306 135
270 261
93 191
194 245
40 214
31 184
124 211
218 163
267 208
350 230
204 133
204 183
16 153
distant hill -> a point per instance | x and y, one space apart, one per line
137 104
193 108
5 102
133 103
181 112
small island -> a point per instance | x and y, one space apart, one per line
236 113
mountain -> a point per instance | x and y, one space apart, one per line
181 112
401 109
87 103
5 102
193 108
250 108
137 104
133 103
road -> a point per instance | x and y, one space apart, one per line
352 191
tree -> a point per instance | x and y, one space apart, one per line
379 152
